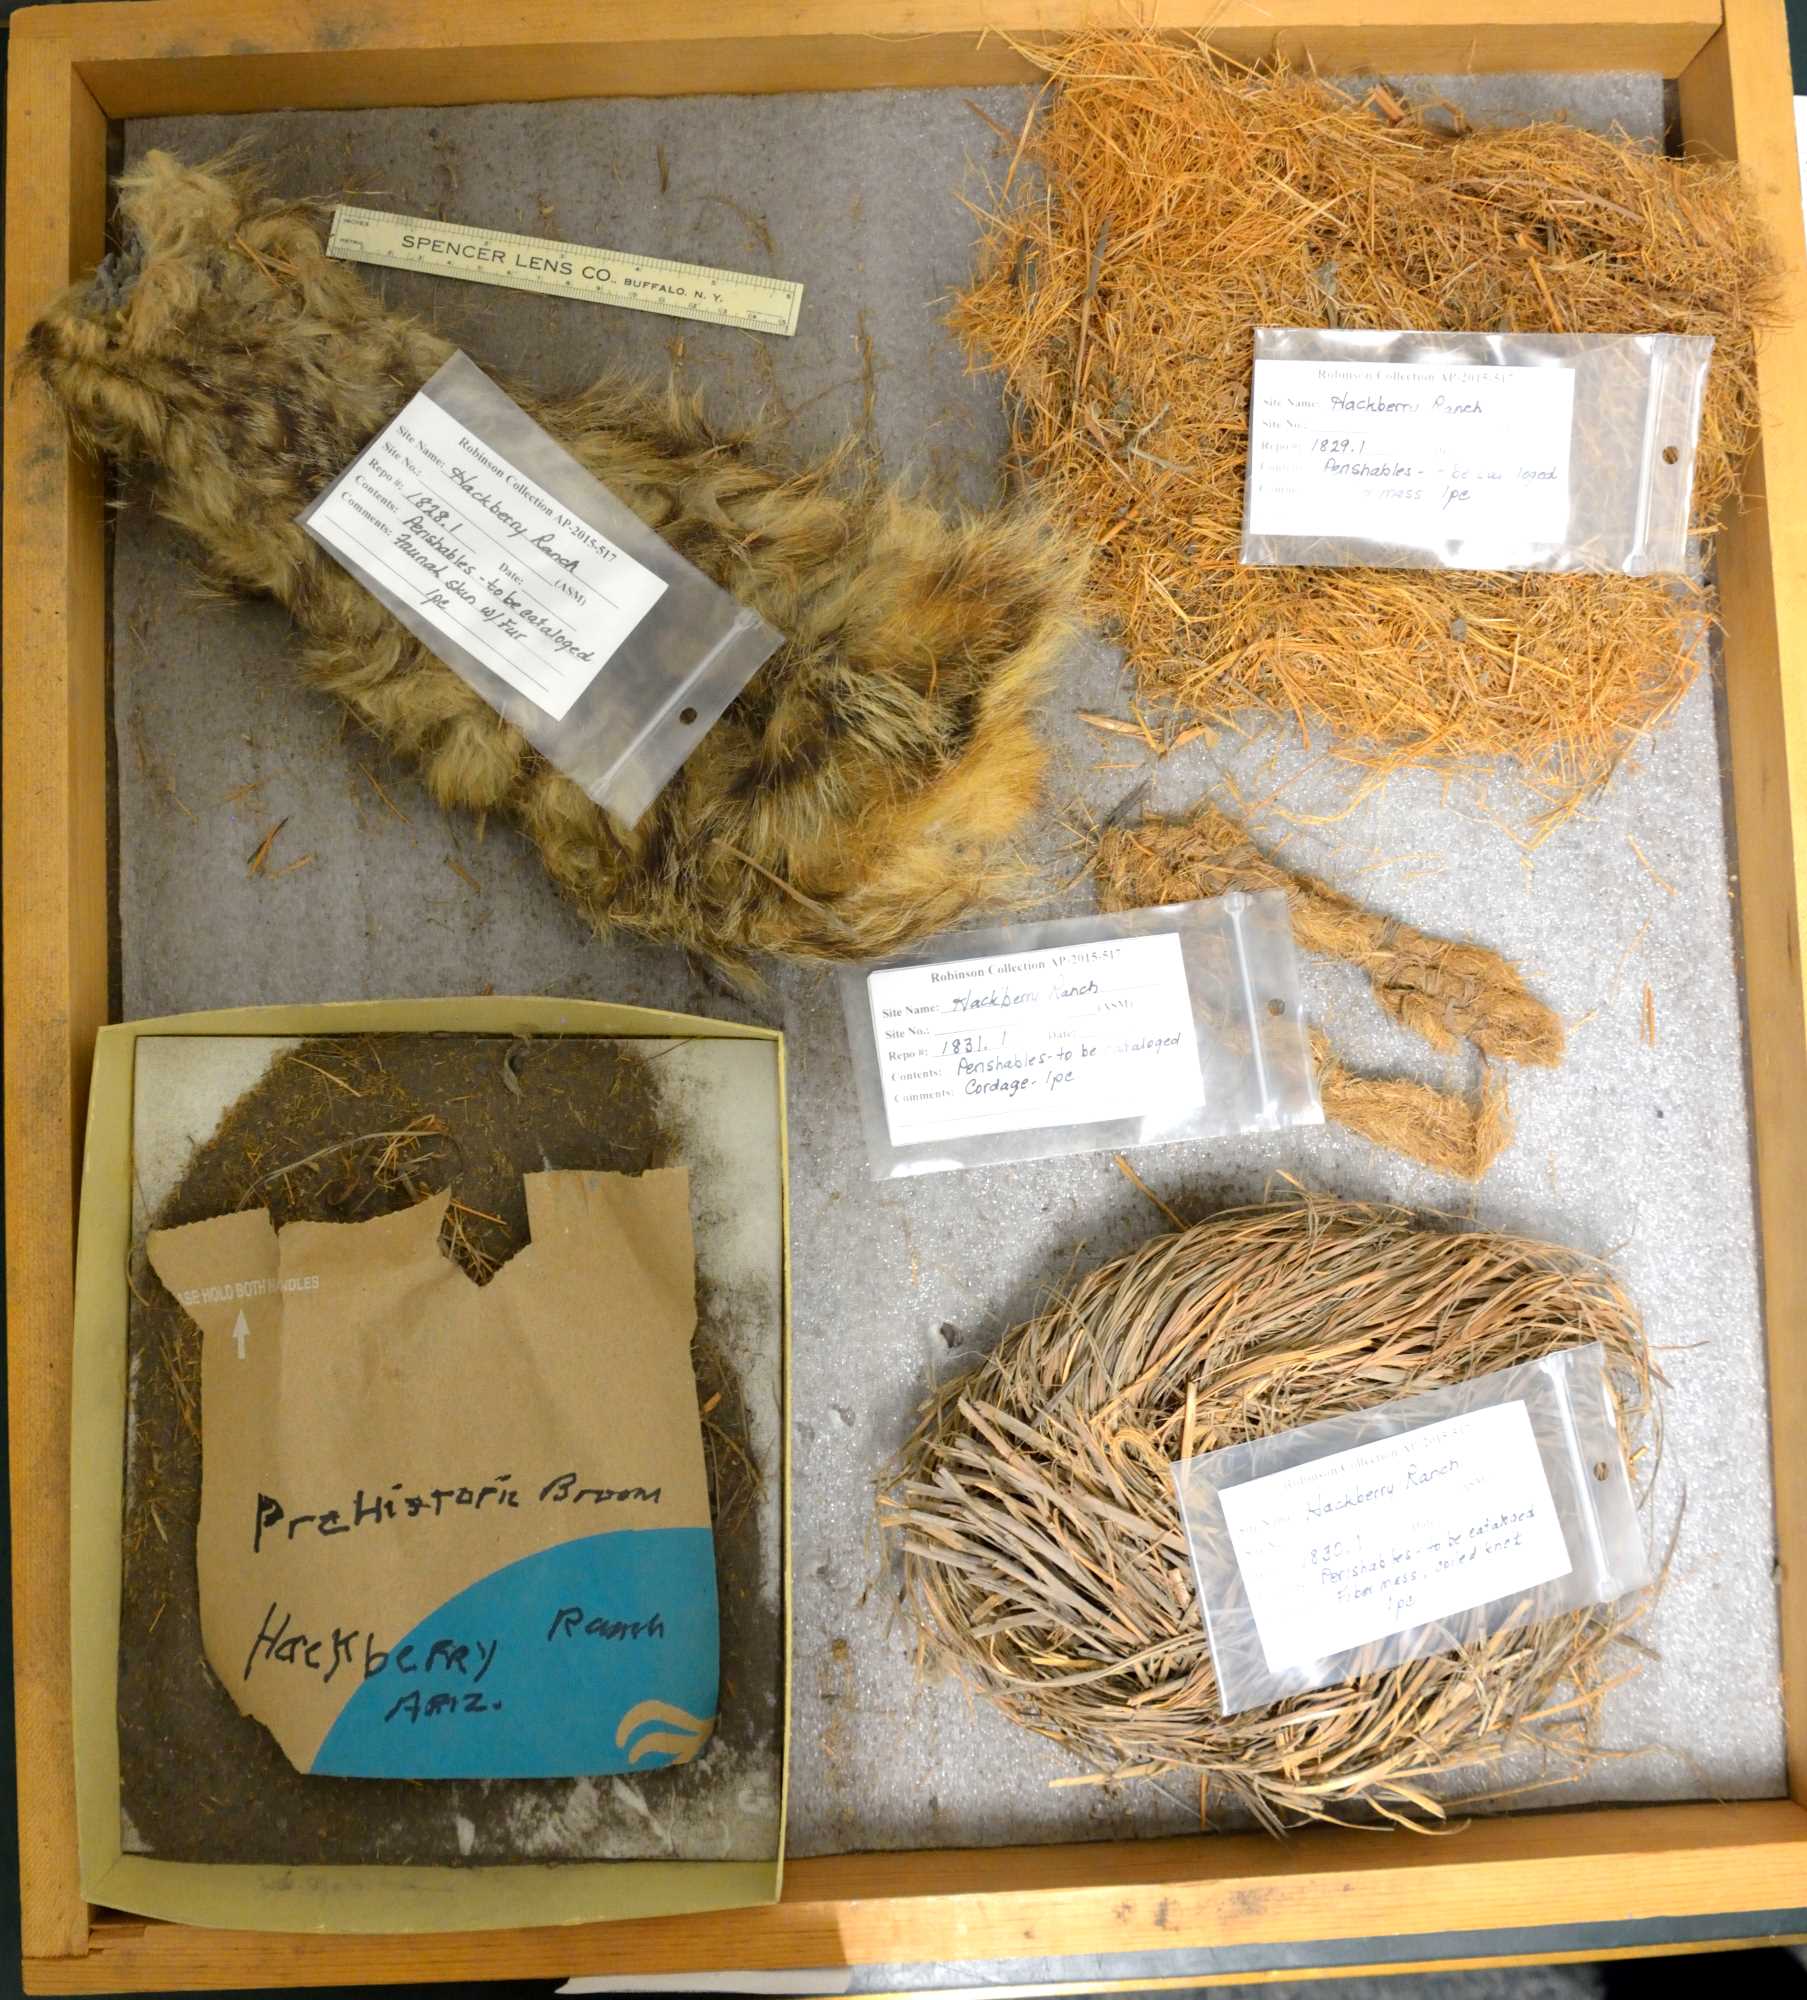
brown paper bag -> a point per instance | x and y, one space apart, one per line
449 1530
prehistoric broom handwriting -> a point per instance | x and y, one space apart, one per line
378 1506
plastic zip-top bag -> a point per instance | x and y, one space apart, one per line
608 651
1533 451
1081 1034
1358 1543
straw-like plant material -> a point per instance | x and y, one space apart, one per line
1040 1539
1441 1129
861 792
1163 205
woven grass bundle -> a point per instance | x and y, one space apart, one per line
1180 202
860 793
1040 1539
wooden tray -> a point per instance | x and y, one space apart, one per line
76 67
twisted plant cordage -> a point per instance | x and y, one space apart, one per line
1445 990
860 793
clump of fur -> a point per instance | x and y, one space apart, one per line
859 794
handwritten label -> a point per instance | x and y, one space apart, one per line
459 1660
1071 1035
377 1552
486 556
378 1506
1415 455
1398 1533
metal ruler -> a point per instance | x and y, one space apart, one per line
567 270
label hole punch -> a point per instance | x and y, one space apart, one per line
1671 455
686 714
1276 1006
1599 1468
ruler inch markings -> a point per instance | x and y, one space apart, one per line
745 299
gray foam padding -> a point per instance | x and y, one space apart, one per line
1636 1150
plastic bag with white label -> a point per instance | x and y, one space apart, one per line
1358 1543
1080 1035
1477 451
576 622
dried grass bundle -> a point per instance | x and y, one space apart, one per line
1180 202
1040 1538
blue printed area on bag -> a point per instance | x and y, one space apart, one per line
598 1655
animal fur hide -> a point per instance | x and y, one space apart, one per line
857 795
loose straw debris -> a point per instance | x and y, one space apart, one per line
1164 204
1040 1541
1442 989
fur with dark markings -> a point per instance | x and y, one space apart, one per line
859 795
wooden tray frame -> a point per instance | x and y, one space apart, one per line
73 69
